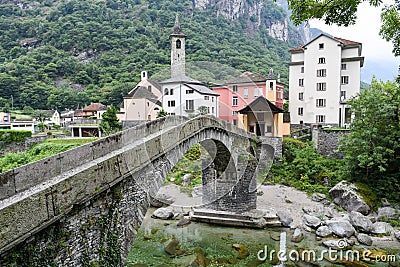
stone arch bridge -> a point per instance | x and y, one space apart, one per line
83 207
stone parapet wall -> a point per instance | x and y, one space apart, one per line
326 141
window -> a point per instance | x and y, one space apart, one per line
344 66
302 70
206 97
171 103
149 88
189 105
235 88
212 99
269 129
321 60
301 96
190 91
257 92
178 44
172 114
344 79
166 91
301 82
245 93
342 96
321 46
320 103
321 73
320 118
234 113
234 122
251 128
213 110
300 111
271 85
171 91
234 101
321 86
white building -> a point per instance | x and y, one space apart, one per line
323 75
183 95
143 102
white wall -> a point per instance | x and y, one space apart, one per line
180 96
332 52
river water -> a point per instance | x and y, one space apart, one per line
200 244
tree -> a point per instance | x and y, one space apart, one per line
343 13
109 123
203 110
41 115
372 149
161 113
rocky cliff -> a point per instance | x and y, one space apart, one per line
273 16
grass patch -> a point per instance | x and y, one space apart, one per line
40 151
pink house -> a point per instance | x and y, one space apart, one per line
239 92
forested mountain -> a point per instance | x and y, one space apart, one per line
62 54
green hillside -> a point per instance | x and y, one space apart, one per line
62 54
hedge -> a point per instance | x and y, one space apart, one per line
8 136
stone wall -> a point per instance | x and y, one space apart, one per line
327 141
84 206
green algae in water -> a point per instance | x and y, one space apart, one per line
215 243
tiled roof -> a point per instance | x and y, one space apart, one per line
346 42
251 107
247 77
142 92
201 88
179 78
341 40
93 107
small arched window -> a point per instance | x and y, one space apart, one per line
178 44
166 91
321 60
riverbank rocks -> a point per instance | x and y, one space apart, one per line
186 179
387 213
345 195
163 214
160 200
311 221
323 231
397 234
298 235
360 222
382 228
340 227
364 239
284 218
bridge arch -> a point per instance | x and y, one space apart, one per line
93 199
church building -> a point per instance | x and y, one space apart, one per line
183 95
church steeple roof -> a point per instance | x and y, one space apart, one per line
177 28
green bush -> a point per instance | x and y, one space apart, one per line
303 168
8 136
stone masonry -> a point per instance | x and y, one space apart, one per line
83 207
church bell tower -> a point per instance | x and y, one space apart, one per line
178 42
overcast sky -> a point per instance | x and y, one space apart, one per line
366 30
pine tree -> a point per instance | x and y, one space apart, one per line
109 123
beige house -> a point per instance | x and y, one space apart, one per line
143 102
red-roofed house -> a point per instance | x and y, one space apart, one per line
323 75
